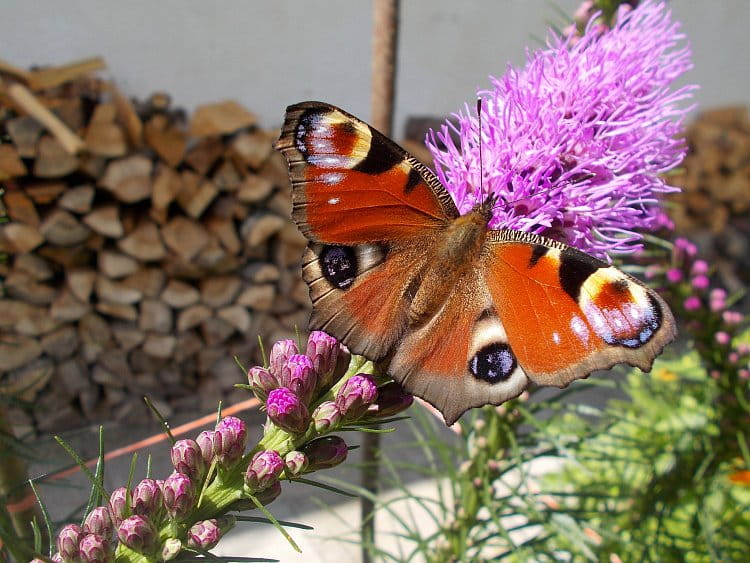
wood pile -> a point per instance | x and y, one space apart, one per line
714 206
145 249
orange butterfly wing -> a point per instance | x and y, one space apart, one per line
567 314
351 184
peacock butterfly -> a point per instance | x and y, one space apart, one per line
461 315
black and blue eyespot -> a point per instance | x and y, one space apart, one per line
339 265
494 363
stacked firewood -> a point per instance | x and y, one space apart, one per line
145 248
714 205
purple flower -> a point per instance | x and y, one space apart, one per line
179 495
700 282
280 353
717 299
99 522
692 303
263 471
67 542
356 395
147 498
575 143
326 416
187 458
287 411
204 534
298 375
95 549
722 338
138 533
231 439
392 399
674 275
119 500
325 452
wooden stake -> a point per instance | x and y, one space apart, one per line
56 75
22 96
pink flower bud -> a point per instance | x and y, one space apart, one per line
296 462
179 495
204 534
700 267
118 501
325 452
692 303
95 549
744 373
717 299
323 350
147 498
685 248
298 375
207 442
287 411
171 549
356 396
99 522
270 494
732 318
263 471
67 542
674 275
187 458
722 338
280 353
392 399
326 416
700 282
232 434
262 381
138 533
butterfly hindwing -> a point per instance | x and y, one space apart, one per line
568 314
352 185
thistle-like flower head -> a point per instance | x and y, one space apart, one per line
287 411
138 533
573 144
263 471
232 439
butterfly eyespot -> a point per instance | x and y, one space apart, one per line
493 363
339 265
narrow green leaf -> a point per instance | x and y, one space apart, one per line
275 522
82 464
45 515
260 520
324 486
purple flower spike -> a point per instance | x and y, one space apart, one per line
99 522
204 534
138 533
323 349
326 416
575 144
147 498
208 443
179 495
187 458
296 462
298 375
287 411
262 380
280 353
95 549
67 542
232 434
392 399
325 452
263 471
118 501
356 395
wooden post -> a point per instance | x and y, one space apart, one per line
384 47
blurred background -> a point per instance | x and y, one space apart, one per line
268 54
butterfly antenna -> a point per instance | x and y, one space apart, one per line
481 164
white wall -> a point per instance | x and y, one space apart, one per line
269 53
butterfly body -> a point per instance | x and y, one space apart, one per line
460 314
